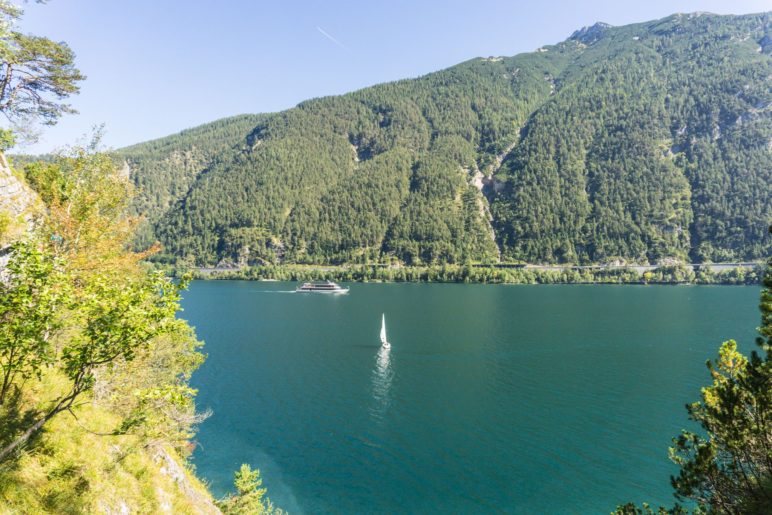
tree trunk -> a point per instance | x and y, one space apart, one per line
25 436
63 405
3 389
8 374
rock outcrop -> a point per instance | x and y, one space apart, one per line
18 204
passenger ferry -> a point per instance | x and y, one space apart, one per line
321 287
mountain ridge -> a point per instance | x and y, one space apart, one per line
644 142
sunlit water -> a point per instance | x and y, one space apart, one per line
492 398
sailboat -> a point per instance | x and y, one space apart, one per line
384 342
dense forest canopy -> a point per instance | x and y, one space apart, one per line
647 143
164 169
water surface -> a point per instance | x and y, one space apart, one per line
492 398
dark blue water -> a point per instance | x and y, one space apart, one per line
518 399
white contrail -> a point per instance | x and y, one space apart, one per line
331 38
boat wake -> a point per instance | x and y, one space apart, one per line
382 377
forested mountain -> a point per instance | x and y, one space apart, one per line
164 169
643 142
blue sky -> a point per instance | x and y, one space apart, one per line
157 67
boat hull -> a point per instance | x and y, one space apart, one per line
321 287
342 291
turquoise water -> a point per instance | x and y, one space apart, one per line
492 398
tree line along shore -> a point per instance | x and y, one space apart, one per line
730 274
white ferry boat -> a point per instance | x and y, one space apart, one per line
321 287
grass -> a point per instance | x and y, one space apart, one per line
70 469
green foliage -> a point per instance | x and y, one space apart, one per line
653 147
765 331
243 244
476 274
5 224
249 498
162 170
117 321
729 470
646 509
30 299
37 74
7 139
47 179
87 330
78 306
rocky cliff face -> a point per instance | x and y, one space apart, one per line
18 208
18 204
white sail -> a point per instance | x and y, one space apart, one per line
383 330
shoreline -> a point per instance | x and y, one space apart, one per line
744 274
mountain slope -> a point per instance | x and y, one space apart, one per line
657 145
384 169
643 142
164 169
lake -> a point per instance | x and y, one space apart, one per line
492 398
